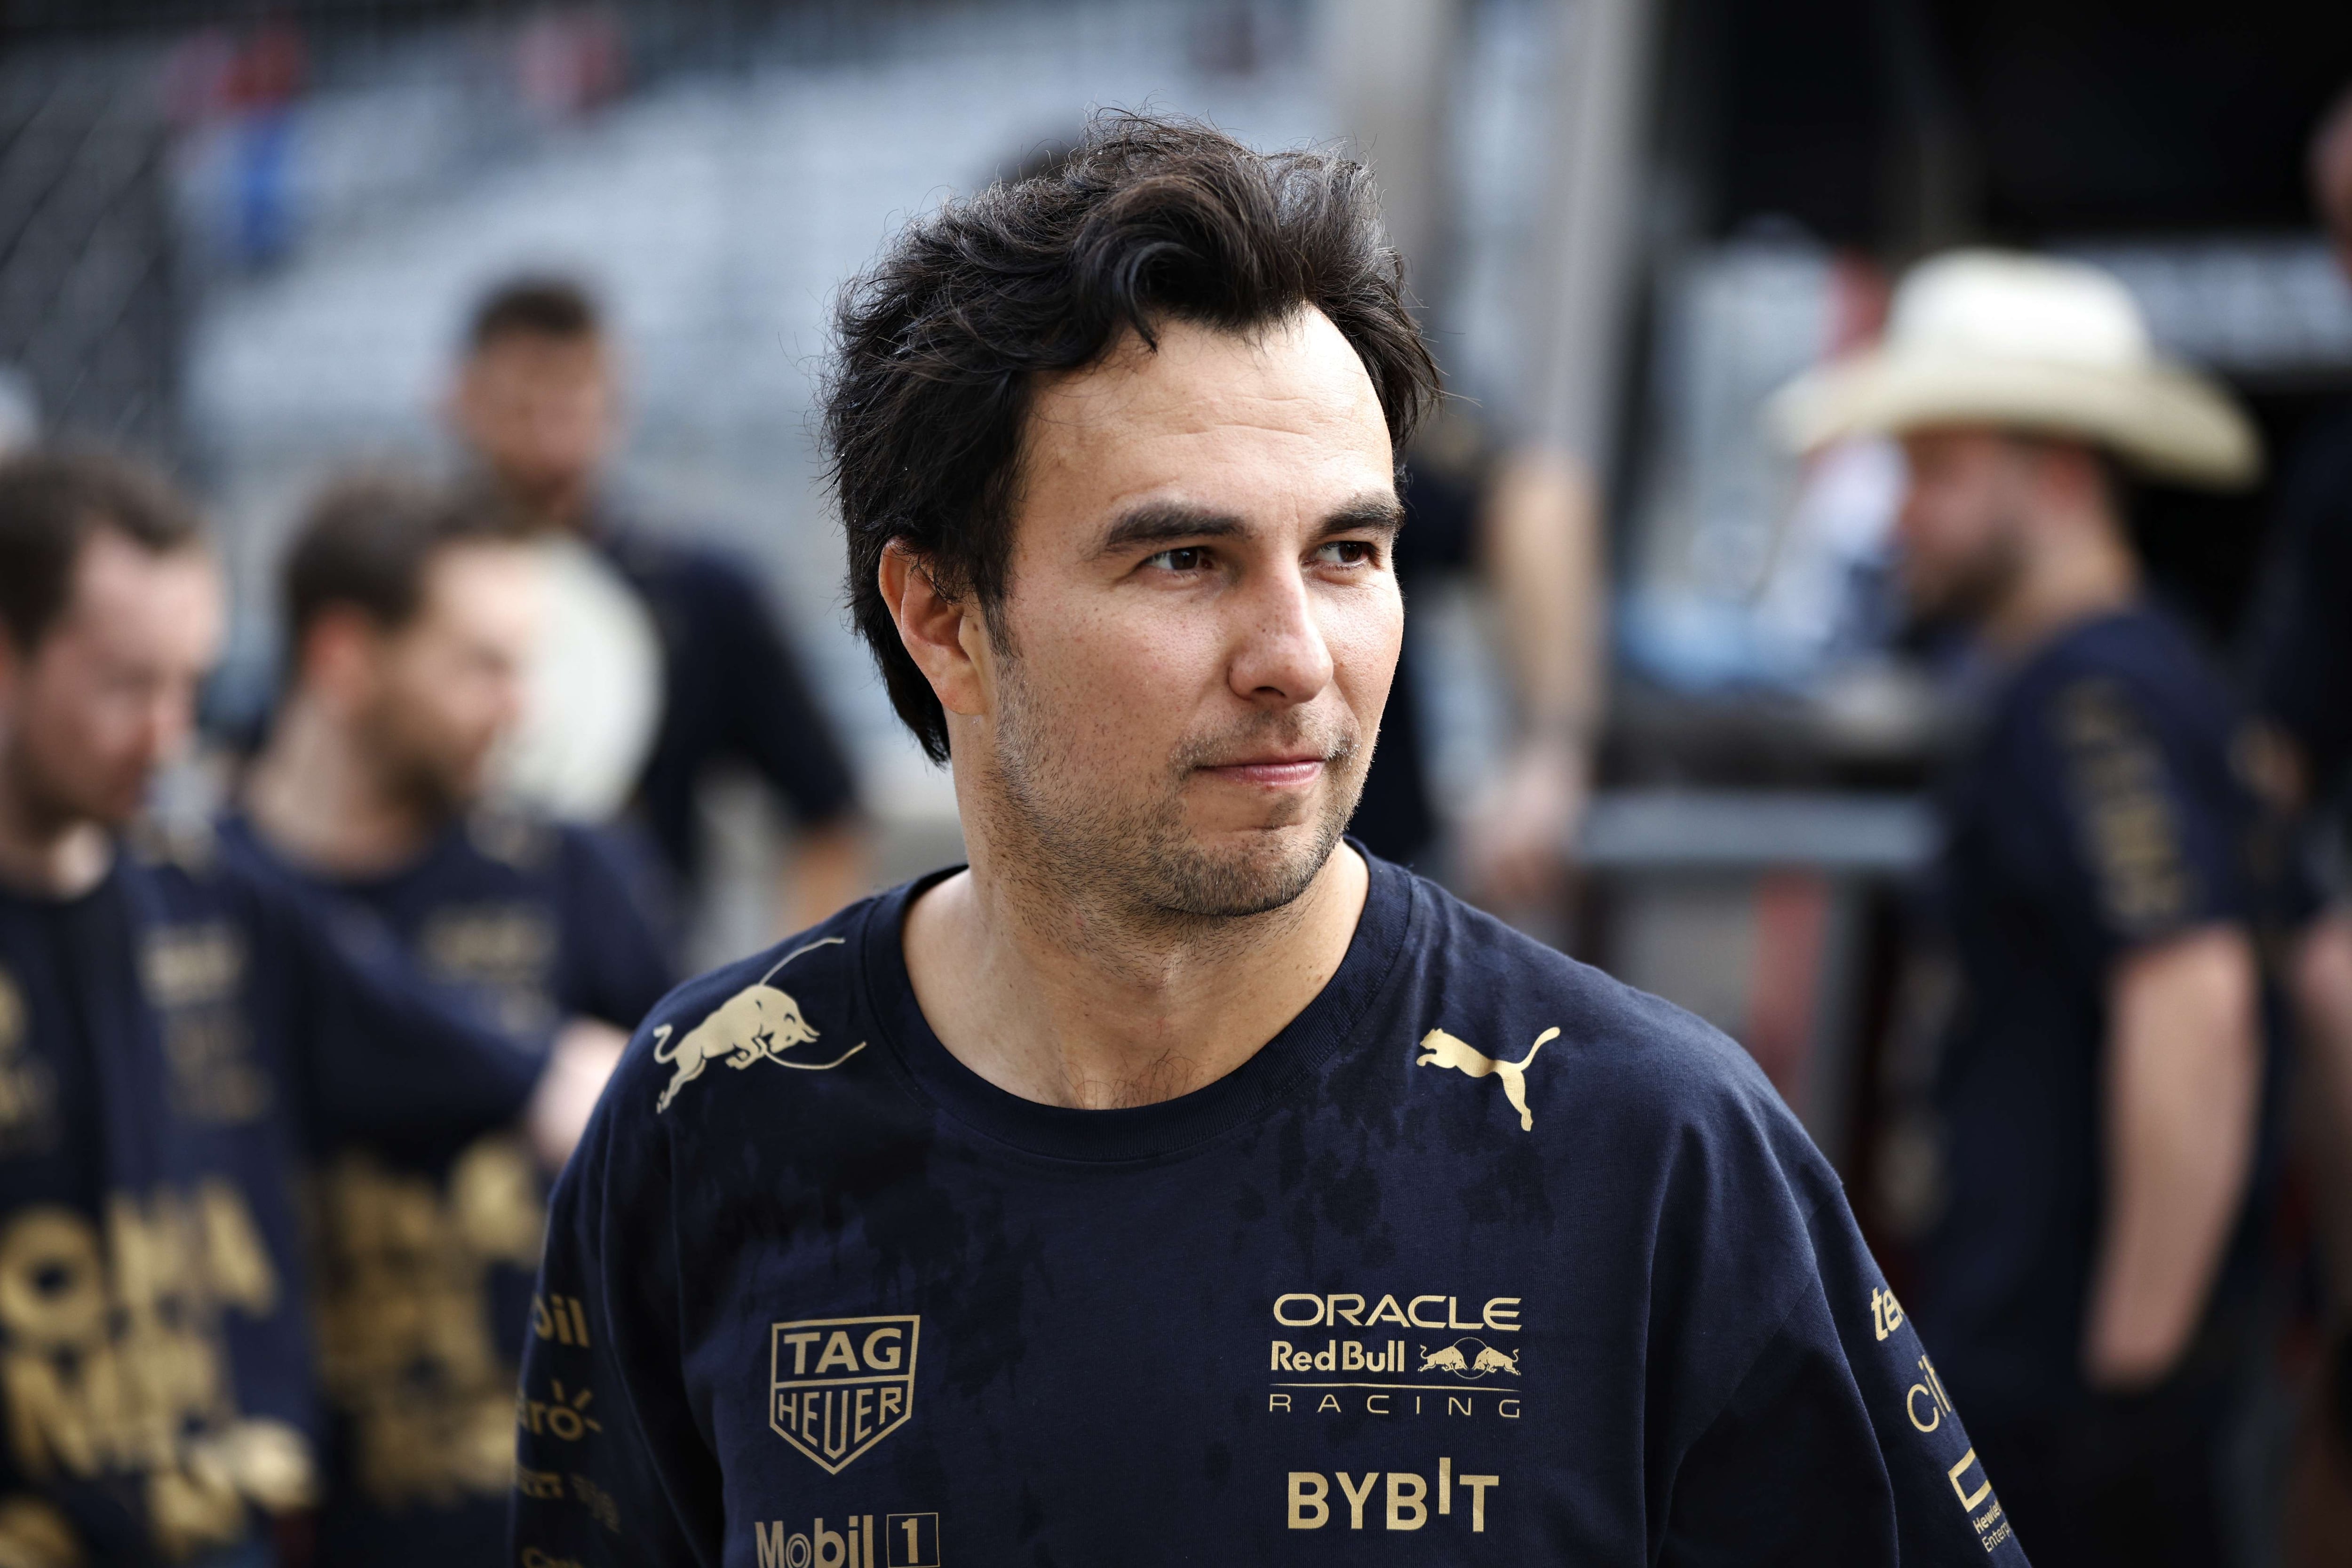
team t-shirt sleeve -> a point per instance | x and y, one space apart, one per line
2131 823
615 969
778 725
611 1465
1838 1442
382 1051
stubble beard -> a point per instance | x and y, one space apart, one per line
432 789
1137 860
1971 590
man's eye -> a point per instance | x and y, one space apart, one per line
1188 558
1351 552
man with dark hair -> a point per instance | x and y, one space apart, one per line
167 1027
537 404
408 617
1177 1183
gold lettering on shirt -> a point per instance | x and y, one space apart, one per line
508 950
407 1346
1405 1498
28 1089
112 1362
2117 778
194 975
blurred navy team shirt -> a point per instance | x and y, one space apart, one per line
428 1230
2299 638
1485 1257
156 1037
731 691
2098 812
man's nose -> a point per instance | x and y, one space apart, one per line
1282 657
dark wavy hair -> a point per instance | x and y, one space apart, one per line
52 501
1144 221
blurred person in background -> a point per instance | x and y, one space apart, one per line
2300 639
1520 524
409 615
537 404
172 1029
2105 1093
1144 1191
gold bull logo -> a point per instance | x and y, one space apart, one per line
1441 1050
1477 1363
759 1022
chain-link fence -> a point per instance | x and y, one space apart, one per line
90 304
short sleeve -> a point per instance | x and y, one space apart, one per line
380 1051
2137 822
1840 1442
614 967
778 726
611 1466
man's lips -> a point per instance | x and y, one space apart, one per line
1271 773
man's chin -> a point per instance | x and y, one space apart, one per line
1235 873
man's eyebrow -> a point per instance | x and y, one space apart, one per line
1163 523
1381 513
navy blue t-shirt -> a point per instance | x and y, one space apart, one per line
2300 635
157 1040
731 691
2098 811
428 1239
1484 1257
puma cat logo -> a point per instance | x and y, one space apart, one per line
1441 1049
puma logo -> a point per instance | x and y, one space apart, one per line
1441 1049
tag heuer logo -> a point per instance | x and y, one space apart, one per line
836 1386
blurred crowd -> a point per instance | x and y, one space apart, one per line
393 935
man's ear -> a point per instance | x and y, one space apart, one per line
456 399
337 659
2078 476
935 629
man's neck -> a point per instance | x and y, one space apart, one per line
2072 575
47 854
315 796
568 507
1045 1002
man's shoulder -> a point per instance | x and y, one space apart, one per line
1595 1056
795 1004
2142 672
682 562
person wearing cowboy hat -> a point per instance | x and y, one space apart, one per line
2103 1092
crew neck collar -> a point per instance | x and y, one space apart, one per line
238 824
1170 1127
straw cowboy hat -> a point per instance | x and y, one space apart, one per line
1985 337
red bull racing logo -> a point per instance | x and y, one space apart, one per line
837 1387
1468 1358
